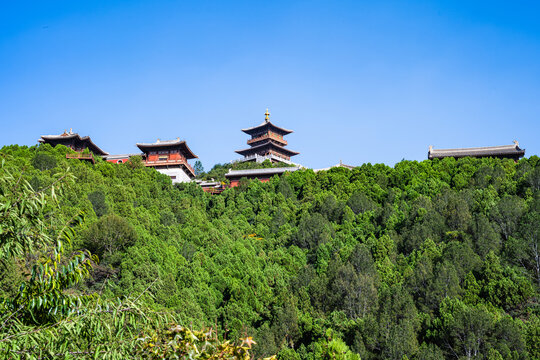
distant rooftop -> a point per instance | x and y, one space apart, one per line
504 151
341 164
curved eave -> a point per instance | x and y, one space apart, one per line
58 137
255 129
271 145
95 149
99 151
156 146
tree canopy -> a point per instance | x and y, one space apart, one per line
424 260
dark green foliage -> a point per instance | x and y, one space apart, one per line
313 230
425 260
97 198
109 235
360 203
43 161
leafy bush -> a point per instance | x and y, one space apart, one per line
97 198
43 161
110 234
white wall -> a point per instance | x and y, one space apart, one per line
181 176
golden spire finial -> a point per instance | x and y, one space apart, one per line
266 115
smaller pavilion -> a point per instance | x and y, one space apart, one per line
169 157
503 152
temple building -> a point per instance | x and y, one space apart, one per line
503 152
170 158
74 141
263 175
267 143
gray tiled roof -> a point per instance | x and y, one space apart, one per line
166 143
266 123
502 150
72 135
254 172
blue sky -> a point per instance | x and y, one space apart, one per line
357 81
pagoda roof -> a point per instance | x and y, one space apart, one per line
487 151
264 145
75 136
266 123
264 172
160 144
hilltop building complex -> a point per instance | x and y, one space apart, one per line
76 143
267 143
170 157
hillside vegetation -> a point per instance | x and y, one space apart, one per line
425 260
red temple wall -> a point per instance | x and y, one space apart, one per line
171 155
118 161
236 182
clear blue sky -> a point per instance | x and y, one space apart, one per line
359 81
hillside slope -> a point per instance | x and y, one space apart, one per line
425 260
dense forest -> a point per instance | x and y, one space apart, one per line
423 260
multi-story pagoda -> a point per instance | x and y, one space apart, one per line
267 143
170 158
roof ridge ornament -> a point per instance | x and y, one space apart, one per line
516 143
267 116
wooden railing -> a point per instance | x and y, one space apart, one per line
82 156
170 162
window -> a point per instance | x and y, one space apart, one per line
119 161
172 177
